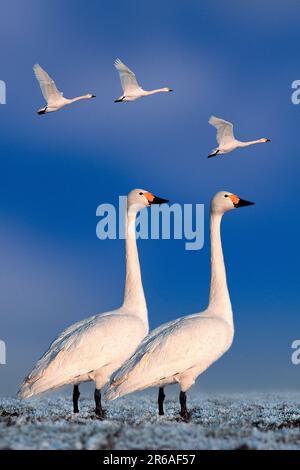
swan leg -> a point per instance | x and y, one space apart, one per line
76 395
120 100
184 413
42 111
161 398
98 410
213 154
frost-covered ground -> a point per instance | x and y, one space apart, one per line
252 421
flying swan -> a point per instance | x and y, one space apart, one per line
54 97
226 139
180 350
94 348
132 90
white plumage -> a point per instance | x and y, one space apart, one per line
225 137
182 349
54 98
131 89
92 349
89 350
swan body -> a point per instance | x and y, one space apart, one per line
180 350
131 89
92 349
225 137
54 97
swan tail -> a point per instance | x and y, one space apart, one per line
124 387
36 385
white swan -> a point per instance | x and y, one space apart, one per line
132 90
226 139
180 350
94 348
55 99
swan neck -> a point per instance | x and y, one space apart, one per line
158 90
249 142
78 98
219 299
134 298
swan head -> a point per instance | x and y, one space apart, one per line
137 199
90 95
265 140
224 201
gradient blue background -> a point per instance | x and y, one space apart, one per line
233 59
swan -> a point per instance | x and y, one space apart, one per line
54 97
132 90
226 139
180 350
92 349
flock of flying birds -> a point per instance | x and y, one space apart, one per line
115 349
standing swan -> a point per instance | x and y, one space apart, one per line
226 139
55 99
94 348
132 90
180 350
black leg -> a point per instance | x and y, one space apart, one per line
76 396
98 410
161 397
183 412
120 100
213 154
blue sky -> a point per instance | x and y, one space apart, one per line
233 59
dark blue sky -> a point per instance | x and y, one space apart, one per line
233 59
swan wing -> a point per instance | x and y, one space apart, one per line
170 351
82 348
128 79
224 130
47 84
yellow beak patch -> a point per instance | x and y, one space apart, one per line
149 196
235 199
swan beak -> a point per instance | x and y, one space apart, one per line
158 200
170 89
154 199
93 96
268 140
242 202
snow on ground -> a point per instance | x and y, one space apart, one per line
251 421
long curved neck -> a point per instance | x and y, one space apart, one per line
134 298
78 98
219 300
158 90
249 142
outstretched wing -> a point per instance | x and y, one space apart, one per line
47 84
224 130
127 77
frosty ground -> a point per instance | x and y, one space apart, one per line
250 421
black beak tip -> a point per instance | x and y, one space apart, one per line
159 200
93 96
268 140
171 89
243 203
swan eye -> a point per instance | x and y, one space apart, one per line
225 195
140 194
